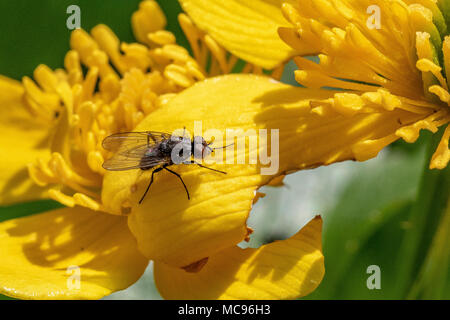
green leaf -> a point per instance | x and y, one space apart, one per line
374 197
433 280
381 249
424 220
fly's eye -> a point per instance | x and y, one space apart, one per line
198 150
198 147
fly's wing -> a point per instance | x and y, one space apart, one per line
124 141
121 163
129 150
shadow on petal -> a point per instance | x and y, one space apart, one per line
285 269
40 252
22 140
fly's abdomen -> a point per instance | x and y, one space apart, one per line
150 159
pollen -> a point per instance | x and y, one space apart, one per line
124 83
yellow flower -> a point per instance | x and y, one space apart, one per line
390 60
101 242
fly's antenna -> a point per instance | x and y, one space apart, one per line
223 146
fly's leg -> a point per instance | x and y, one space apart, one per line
173 172
151 181
200 165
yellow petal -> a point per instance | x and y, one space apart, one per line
43 256
248 29
441 157
22 140
177 231
285 269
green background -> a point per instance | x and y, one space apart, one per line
386 214
35 32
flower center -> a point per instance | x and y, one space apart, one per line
402 66
123 84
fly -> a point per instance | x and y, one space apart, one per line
154 150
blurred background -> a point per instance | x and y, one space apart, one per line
386 212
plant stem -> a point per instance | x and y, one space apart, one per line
435 273
424 220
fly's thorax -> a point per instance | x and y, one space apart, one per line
166 146
150 152
181 149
